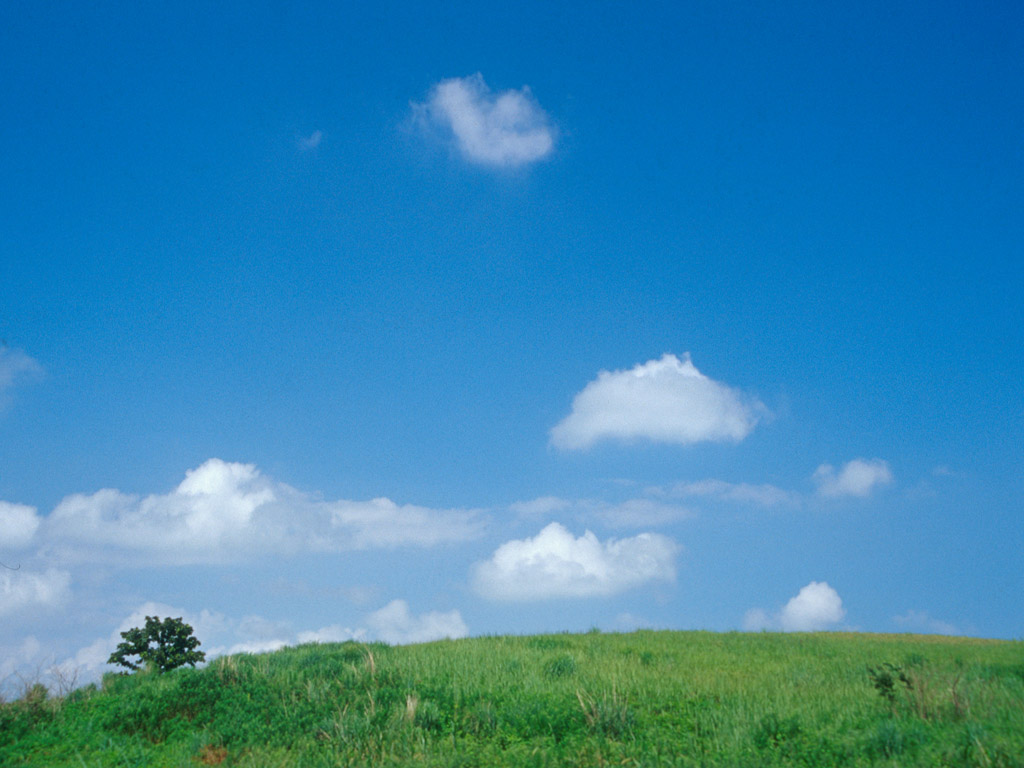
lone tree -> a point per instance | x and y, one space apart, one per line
166 644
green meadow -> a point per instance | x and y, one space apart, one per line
640 699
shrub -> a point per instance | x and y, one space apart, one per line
166 644
884 679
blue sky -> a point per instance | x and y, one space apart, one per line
400 322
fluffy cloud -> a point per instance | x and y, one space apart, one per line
666 400
555 564
223 511
18 524
395 624
22 589
764 495
816 607
857 478
15 368
504 130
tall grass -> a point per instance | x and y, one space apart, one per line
640 699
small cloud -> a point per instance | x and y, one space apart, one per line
395 624
16 368
859 477
22 589
312 141
666 400
18 525
504 130
815 608
921 623
763 495
554 564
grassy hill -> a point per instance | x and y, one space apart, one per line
640 699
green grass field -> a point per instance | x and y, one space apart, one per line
639 699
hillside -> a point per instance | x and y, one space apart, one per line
640 699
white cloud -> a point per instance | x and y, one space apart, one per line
226 511
20 589
666 400
921 622
764 495
504 130
816 607
18 525
555 564
16 368
394 624
858 477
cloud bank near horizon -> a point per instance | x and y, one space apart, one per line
665 401
222 635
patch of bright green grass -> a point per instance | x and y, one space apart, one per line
639 699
